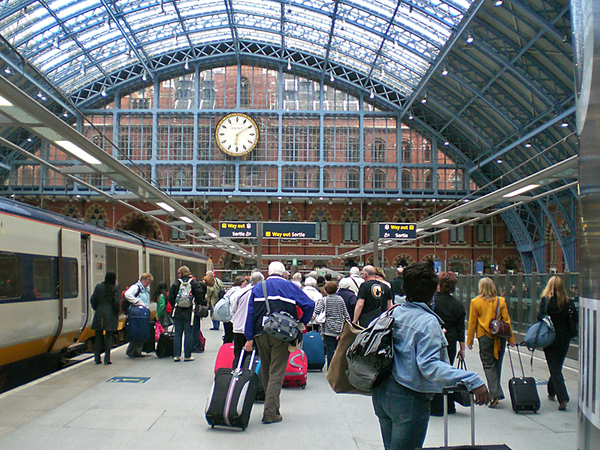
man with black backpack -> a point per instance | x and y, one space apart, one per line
186 296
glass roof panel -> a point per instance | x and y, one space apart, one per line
368 35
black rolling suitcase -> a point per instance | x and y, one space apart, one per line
232 395
450 391
523 391
164 348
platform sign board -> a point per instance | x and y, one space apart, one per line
237 229
136 380
289 230
397 230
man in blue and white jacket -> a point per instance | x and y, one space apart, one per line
421 367
283 296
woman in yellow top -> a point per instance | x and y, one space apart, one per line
491 350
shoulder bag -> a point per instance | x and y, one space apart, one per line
280 325
336 372
541 334
498 327
322 316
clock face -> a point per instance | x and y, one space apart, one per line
237 134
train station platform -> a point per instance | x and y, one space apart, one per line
153 403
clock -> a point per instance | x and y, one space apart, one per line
237 134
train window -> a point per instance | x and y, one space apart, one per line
10 277
72 287
42 278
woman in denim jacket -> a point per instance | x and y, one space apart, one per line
421 366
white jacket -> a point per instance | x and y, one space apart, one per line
238 307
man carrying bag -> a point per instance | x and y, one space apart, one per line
283 297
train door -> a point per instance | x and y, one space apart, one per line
85 282
69 289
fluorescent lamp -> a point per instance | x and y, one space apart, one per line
419 230
439 222
4 102
212 235
164 206
527 188
77 152
186 219
387 242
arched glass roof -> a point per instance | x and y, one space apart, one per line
77 42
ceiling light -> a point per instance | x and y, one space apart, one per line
289 65
103 93
424 99
439 222
65 114
212 235
186 219
186 66
410 116
444 71
77 152
498 3
499 160
469 39
372 94
331 78
4 102
7 71
144 77
446 143
527 188
528 145
164 206
564 124
418 230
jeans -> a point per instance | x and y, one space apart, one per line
331 343
183 328
492 366
555 357
403 415
196 347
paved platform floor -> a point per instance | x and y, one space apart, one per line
78 409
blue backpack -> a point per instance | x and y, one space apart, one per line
542 333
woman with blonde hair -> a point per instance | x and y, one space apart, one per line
491 349
561 310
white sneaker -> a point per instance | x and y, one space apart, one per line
177 359
191 358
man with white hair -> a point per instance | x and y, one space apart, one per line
355 279
283 296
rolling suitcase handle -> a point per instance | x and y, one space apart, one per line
450 390
511 363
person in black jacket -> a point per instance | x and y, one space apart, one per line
106 303
183 315
564 317
452 312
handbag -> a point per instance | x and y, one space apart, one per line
336 372
498 327
322 316
462 397
280 325
541 334
371 355
203 311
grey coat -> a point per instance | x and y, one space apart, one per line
106 303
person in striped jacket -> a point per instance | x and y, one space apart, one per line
335 315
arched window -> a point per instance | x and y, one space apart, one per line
379 179
456 180
407 180
326 179
406 151
245 93
351 227
353 179
353 149
379 149
457 234
321 227
484 232
428 180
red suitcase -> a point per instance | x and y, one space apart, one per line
296 370
225 357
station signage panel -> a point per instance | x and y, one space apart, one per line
398 230
237 229
289 230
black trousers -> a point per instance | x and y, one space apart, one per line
555 357
103 342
